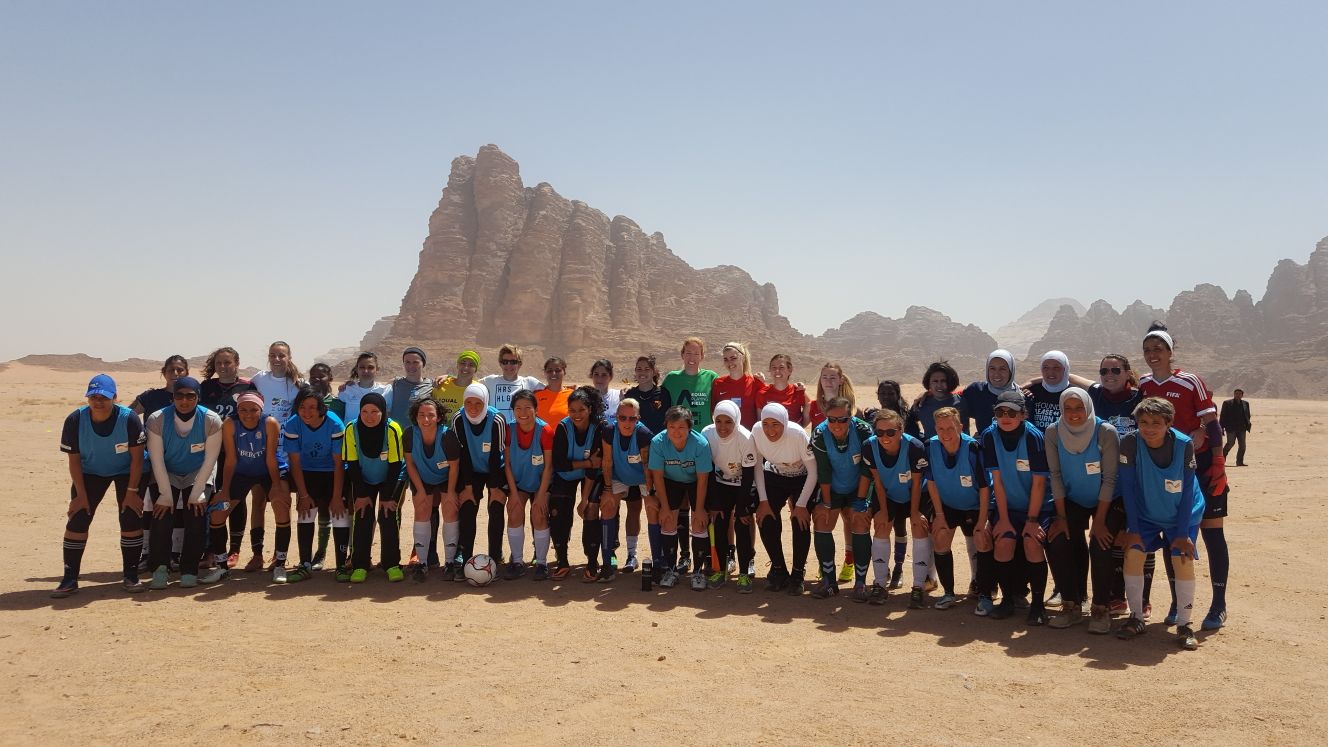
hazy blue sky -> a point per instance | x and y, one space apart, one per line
177 176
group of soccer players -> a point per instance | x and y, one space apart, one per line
1087 479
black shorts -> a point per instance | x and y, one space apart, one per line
596 489
96 487
478 481
897 512
964 520
242 484
1116 516
724 497
781 490
319 485
630 492
680 493
560 488
1215 506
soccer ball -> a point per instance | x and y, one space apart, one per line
480 570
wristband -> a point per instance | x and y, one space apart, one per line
132 490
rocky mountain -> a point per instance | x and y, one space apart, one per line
902 345
1018 336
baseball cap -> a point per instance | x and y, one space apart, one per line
101 385
1012 399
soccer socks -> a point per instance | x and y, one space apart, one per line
862 557
1219 565
684 521
881 560
590 540
497 527
341 543
1134 594
283 541
217 536
608 538
901 549
986 578
802 545
256 540
669 544
238 518
324 530
1150 568
389 537
700 552
972 545
304 540
1037 581
73 556
419 531
631 544
451 540
130 550
656 539
435 521
1184 601
922 561
541 545
825 554
516 543
945 569
466 541
771 540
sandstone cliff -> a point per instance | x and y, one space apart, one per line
1018 336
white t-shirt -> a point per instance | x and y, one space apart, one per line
731 456
278 394
354 392
501 391
611 400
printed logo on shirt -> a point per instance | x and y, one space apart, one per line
857 458
440 465
634 458
683 463
1093 468
922 464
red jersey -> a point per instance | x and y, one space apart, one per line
524 439
793 399
1186 392
743 391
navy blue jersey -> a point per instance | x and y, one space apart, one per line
654 405
980 402
1116 409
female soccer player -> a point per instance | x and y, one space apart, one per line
552 396
679 462
939 383
957 486
626 454
1114 398
222 384
481 433
729 491
1016 460
104 442
529 456
786 469
837 445
502 386
314 438
320 379
1046 390
406 390
738 385
576 456
144 405
896 461
362 381
278 384
831 383
1196 416
783 391
1082 453
432 452
373 453
450 391
601 377
690 387
183 443
649 395
890 396
252 462
980 397
1164 506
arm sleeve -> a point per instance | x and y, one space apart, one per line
810 484
759 477
748 476
980 478
1109 442
157 458
988 447
563 463
818 450
1037 454
211 450
451 446
1054 463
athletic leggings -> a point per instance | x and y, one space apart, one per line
780 490
131 523
195 532
389 524
1068 555
562 512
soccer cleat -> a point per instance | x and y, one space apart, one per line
1214 620
972 588
1171 615
301 572
859 593
825 588
316 564
232 560
66 588
1055 600
668 579
449 571
1099 620
846 573
175 562
1118 608
744 584
684 566
776 580
541 573
1185 637
1037 616
631 564
419 573
143 564
134 586
359 575
395 574
897 577
1002 611
1020 603
279 574
984 607
160 578
876 594
188 581
214 576
917 599
698 581
796 585
1072 614
515 569
1133 627
717 580
608 573
946 602
343 575
732 564
254 565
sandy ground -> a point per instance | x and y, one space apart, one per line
248 662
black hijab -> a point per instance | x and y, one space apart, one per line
372 439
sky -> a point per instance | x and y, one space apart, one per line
179 176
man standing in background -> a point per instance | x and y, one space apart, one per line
1235 420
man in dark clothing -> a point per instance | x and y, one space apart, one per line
1235 420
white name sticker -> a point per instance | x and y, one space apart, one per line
1172 486
857 458
585 454
121 448
484 447
1093 468
905 477
537 460
441 465
966 481
1022 465
633 458
195 448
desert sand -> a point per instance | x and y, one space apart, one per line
249 662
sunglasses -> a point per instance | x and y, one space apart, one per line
627 418
186 395
510 362
840 419
1114 370
888 432
1006 412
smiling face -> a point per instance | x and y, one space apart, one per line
1157 355
644 374
426 417
466 369
724 426
370 415
837 421
226 366
773 429
474 406
1007 418
733 362
947 430
889 434
1073 411
998 373
100 407
367 368
938 384
1153 428
627 419
511 365
309 412
691 358
249 413
830 380
553 374
1114 374
413 365
524 410
1053 372
320 379
174 371
579 413
678 431
780 371
278 356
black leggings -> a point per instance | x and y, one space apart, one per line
562 512
780 490
389 524
195 533
1068 555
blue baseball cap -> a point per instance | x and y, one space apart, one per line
186 383
102 385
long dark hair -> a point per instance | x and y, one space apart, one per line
210 367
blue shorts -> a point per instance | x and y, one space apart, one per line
1160 538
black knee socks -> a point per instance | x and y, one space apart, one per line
497 530
468 514
986 579
945 570
773 542
341 545
802 545
304 537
